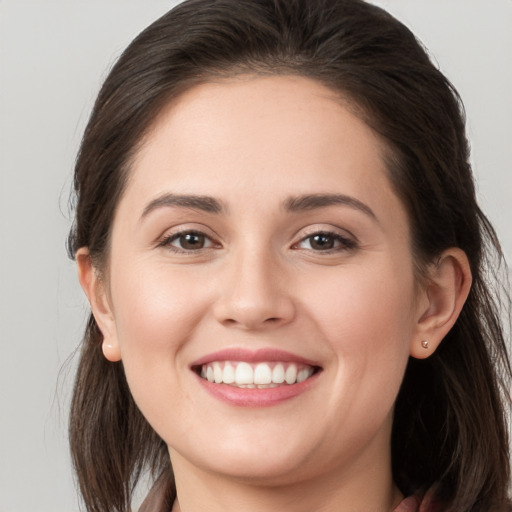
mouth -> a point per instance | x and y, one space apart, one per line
261 375
261 378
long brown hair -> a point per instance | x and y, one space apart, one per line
449 428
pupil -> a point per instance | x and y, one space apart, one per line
322 242
192 241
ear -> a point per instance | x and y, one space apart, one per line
448 285
97 293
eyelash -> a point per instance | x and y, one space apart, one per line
344 243
168 240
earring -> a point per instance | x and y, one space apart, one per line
424 344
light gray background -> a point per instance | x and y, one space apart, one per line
53 57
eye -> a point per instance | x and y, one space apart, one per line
326 241
187 241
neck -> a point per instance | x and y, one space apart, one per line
366 486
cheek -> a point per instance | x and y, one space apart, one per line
366 315
155 310
370 304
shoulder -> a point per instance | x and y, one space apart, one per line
418 504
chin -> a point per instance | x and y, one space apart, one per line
268 463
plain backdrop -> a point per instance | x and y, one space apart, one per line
53 58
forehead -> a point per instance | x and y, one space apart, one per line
252 123
259 140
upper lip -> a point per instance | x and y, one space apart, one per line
253 356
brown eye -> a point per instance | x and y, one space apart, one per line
324 242
187 241
321 242
191 241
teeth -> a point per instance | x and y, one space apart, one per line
217 373
260 375
302 375
278 374
291 374
228 375
244 374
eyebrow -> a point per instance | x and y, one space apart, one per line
193 202
292 204
315 201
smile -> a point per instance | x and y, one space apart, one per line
260 378
262 375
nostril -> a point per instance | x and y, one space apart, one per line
254 311
251 323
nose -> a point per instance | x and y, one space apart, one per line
254 293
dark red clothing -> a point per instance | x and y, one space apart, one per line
415 504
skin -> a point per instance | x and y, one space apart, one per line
356 310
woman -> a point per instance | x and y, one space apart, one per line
276 228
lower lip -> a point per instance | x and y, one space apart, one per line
266 397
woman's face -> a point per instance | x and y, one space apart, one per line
261 283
